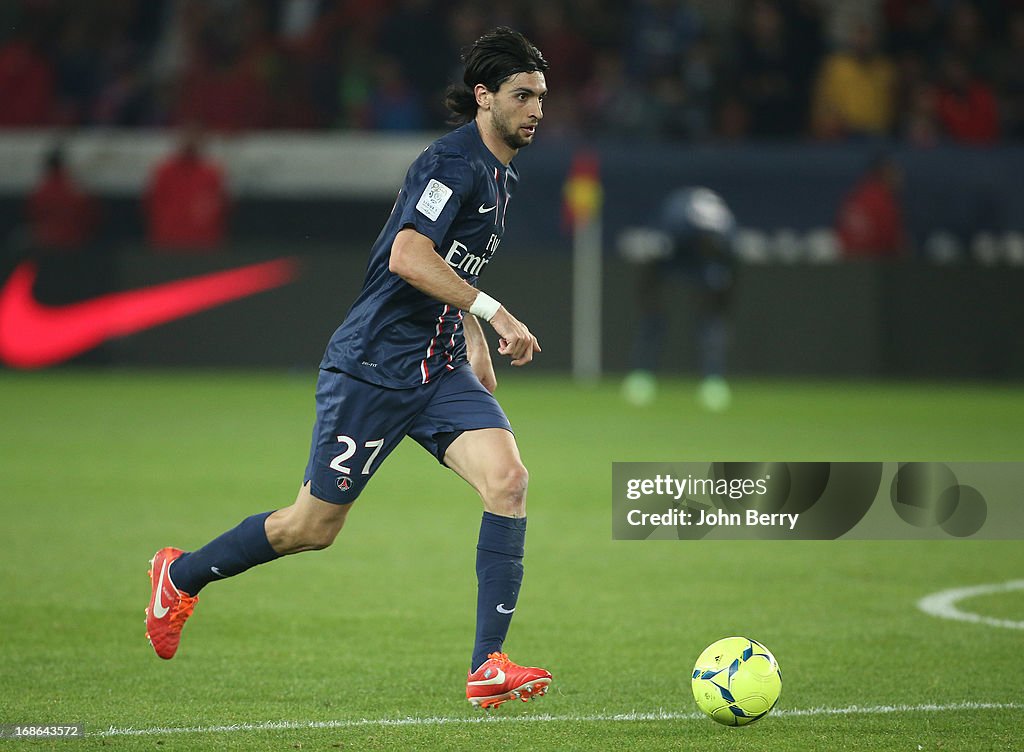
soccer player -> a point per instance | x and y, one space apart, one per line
411 359
693 234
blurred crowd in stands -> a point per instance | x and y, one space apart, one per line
922 71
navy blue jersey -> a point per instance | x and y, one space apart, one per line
457 194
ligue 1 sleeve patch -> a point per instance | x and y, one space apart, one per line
433 199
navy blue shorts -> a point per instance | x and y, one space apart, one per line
358 424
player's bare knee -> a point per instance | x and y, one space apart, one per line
506 491
317 534
295 541
317 538
292 533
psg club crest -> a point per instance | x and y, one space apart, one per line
344 483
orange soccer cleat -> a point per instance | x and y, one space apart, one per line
499 680
168 606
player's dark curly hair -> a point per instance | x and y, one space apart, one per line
494 57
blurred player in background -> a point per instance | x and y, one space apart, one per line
411 359
693 234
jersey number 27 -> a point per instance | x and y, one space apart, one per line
350 448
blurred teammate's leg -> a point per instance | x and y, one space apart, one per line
713 392
640 385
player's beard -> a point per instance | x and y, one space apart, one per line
508 131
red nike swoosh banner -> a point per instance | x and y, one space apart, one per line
33 335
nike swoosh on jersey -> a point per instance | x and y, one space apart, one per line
33 335
484 209
498 678
159 609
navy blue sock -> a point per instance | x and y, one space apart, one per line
713 336
499 574
649 342
232 553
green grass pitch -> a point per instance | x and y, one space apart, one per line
369 640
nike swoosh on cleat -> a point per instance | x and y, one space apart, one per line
500 608
498 678
159 609
33 335
484 209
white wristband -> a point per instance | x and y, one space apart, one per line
484 306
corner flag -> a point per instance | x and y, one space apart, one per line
582 215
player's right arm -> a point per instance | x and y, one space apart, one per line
414 259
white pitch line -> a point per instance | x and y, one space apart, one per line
943 604
659 715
